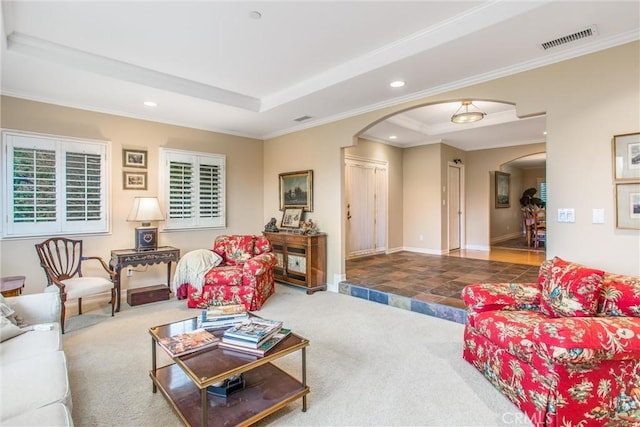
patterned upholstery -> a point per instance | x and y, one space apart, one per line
559 369
245 275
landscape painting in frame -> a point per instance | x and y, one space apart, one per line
502 190
296 190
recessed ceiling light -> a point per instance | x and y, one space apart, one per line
150 104
254 14
393 137
544 133
397 83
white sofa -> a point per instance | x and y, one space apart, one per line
34 383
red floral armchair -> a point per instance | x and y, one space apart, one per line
565 350
238 270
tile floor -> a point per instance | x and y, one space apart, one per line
429 284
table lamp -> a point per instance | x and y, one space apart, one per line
146 209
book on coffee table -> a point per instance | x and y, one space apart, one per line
252 333
188 342
263 349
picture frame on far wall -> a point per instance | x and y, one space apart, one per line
628 206
502 189
626 156
134 180
291 218
296 190
134 158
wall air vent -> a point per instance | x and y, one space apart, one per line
587 32
302 119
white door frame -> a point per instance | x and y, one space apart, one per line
461 195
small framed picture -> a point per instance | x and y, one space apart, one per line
296 190
503 188
134 180
626 157
291 218
134 158
628 206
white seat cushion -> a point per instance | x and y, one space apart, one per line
31 343
54 415
79 287
33 383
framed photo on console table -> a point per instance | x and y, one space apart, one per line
628 206
626 157
291 218
296 190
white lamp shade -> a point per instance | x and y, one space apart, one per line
145 209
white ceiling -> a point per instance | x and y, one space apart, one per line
210 65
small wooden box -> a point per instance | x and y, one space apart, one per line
147 294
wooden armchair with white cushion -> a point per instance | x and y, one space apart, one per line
62 259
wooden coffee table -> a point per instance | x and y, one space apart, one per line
267 388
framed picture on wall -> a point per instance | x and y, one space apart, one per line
628 206
502 190
134 158
291 218
626 156
134 180
296 190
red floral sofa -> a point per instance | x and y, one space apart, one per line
238 270
565 350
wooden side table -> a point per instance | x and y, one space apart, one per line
11 286
121 258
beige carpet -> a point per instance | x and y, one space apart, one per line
368 365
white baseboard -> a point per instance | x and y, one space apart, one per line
477 248
337 278
424 250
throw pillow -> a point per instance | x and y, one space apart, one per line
571 290
6 311
8 330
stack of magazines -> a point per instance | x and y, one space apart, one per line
255 336
222 316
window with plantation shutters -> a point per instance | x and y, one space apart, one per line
53 185
192 189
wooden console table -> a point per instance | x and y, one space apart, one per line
121 258
302 259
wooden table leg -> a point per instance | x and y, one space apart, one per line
205 407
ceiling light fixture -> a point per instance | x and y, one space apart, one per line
254 14
150 104
393 137
467 116
397 83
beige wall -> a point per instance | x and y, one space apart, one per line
245 213
530 179
393 156
422 206
586 101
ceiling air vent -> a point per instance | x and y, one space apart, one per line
587 32
302 119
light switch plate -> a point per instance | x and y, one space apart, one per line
598 216
566 215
